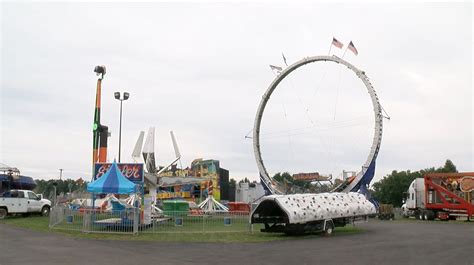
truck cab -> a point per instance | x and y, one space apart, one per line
416 194
415 198
23 202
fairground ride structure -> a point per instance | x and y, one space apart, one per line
363 178
100 132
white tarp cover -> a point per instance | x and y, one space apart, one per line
302 208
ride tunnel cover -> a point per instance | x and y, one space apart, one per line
303 208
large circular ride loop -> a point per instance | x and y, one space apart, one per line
366 174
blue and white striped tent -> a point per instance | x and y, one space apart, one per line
113 181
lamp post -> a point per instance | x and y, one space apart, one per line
117 95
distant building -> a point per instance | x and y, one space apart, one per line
224 184
248 192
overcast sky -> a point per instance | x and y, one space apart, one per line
200 69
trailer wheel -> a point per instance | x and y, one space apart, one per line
3 213
421 216
430 215
426 216
45 211
329 228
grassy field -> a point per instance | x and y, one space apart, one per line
37 223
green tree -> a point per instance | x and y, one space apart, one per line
245 180
449 167
392 187
282 178
232 182
45 187
291 185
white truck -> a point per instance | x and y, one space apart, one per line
414 202
23 202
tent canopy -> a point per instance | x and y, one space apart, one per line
113 181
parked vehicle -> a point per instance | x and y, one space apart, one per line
440 195
23 202
386 212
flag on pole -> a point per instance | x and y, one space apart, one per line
337 43
284 58
352 48
277 68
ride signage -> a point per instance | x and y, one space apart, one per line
306 176
132 171
467 184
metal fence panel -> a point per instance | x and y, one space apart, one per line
122 221
128 221
213 222
65 218
93 221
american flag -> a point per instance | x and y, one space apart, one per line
352 48
337 43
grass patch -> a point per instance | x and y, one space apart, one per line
38 223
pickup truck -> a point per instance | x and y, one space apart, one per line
23 202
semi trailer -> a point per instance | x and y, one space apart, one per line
440 195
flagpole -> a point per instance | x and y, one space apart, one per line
344 52
284 58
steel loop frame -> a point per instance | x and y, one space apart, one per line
364 176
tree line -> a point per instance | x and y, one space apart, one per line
391 189
64 186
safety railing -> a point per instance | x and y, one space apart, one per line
198 222
132 221
95 221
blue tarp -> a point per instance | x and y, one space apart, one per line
113 181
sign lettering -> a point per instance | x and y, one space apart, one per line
133 172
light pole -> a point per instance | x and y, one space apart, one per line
126 95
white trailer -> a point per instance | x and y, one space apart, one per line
23 202
300 213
